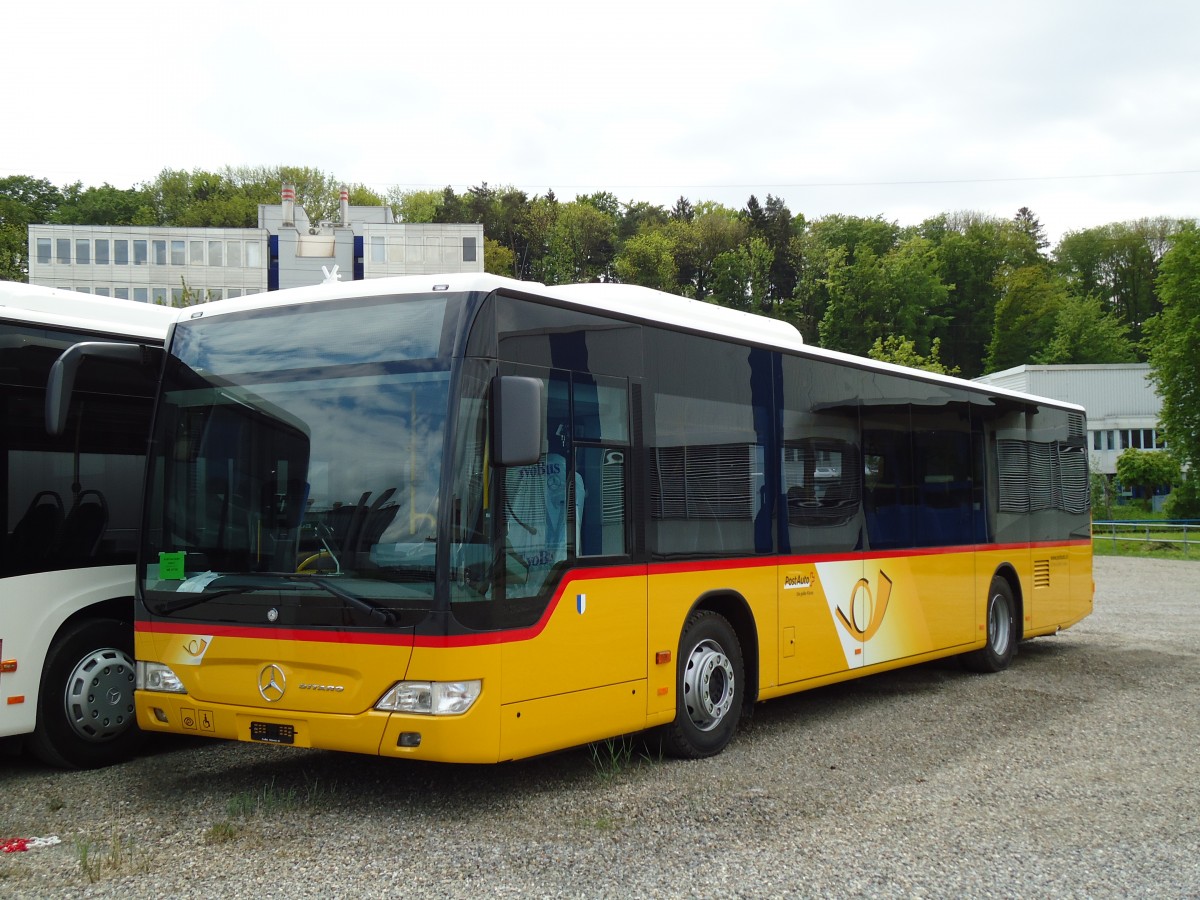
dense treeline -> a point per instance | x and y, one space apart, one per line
962 292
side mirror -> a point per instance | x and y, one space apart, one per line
516 420
62 375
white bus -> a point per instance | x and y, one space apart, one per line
71 508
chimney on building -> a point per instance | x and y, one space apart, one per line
345 204
288 197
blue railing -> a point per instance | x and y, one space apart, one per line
1183 532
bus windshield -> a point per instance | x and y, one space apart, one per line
295 466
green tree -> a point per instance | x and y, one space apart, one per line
638 215
742 276
497 259
877 296
104 205
648 259
713 229
415 206
1145 470
1173 344
24 201
821 248
1119 264
581 244
774 225
535 225
973 251
898 349
1026 317
1029 225
1086 332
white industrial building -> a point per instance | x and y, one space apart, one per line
157 265
1122 405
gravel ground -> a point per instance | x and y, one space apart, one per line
1073 774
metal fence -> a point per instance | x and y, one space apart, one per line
1185 532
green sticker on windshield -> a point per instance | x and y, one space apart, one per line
171 566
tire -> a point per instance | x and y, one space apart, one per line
1001 646
85 716
709 688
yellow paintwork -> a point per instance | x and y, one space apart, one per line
606 665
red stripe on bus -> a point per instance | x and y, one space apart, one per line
514 635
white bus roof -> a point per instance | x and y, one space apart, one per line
59 308
629 301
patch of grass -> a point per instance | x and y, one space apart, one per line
115 856
1109 547
612 757
223 832
269 800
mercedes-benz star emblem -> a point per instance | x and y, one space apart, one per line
272 683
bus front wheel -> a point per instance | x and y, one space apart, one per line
709 686
1001 644
85 716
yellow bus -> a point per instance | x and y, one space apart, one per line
469 519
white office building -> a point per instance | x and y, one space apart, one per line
162 265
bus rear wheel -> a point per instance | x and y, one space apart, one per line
85 716
709 688
1001 645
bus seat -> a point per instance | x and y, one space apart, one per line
83 527
32 540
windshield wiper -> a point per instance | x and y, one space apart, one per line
371 608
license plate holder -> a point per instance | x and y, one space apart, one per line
272 733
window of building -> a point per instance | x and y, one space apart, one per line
1096 440
160 295
253 260
378 254
83 251
1148 438
177 257
83 290
102 251
139 253
101 292
234 293
212 294
177 296
160 253
43 251
215 254
141 295
121 252
63 251
468 249
196 253
1109 440
1160 440
233 253
121 293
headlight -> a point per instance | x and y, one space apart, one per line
152 676
430 698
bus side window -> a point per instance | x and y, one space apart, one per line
600 418
600 521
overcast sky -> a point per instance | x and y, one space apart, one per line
1086 112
